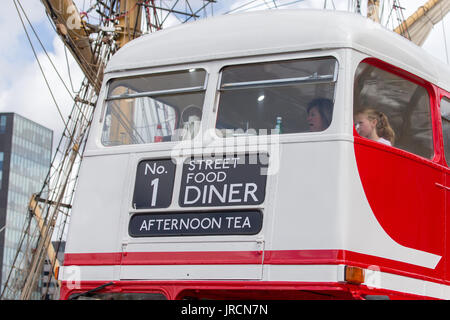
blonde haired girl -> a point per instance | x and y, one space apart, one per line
374 125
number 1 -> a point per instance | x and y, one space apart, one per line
154 184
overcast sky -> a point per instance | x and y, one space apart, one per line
22 86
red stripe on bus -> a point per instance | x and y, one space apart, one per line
163 258
270 257
229 257
206 257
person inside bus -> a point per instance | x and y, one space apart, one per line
320 111
374 125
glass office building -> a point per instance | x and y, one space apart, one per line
25 156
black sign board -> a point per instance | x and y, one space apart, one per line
195 224
223 181
154 184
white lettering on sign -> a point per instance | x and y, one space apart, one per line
237 223
206 223
154 169
231 193
206 183
201 177
210 164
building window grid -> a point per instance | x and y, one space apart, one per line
30 160
3 119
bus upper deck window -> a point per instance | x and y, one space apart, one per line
404 103
154 108
277 97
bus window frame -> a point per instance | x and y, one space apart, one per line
281 57
441 93
436 157
105 99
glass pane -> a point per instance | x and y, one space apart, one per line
279 70
394 109
159 116
445 114
158 82
277 97
156 119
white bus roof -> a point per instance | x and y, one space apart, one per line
276 31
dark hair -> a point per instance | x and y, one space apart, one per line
325 108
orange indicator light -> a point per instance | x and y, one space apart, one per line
354 275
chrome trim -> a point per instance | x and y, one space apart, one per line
157 93
278 82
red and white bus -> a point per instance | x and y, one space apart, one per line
208 175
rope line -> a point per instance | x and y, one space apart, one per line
40 66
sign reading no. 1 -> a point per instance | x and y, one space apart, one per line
154 184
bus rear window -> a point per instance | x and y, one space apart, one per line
154 108
403 104
277 97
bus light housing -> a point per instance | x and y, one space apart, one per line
354 275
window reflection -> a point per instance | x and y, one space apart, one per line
154 108
403 103
277 97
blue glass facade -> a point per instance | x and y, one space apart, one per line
25 156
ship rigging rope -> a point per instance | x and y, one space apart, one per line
168 13
126 13
45 51
389 16
261 4
91 73
65 53
48 56
40 66
68 70
241 6
400 18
